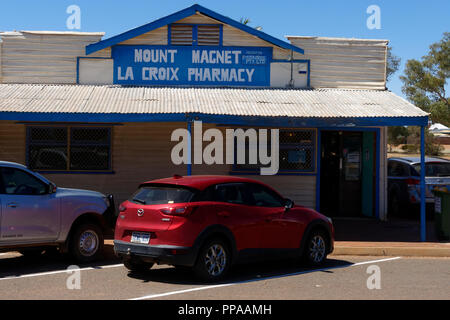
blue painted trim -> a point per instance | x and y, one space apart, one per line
183 14
423 236
78 70
195 35
287 122
308 80
169 35
221 35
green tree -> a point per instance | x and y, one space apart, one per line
424 81
247 21
396 135
431 147
393 63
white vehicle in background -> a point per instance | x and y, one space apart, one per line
35 215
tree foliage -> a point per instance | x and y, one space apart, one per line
393 63
424 81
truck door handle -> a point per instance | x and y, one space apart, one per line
12 205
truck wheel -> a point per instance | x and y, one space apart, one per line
86 243
213 261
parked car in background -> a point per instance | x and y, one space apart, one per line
404 182
209 223
36 215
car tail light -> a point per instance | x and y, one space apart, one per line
411 181
178 211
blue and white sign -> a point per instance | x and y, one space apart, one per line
199 65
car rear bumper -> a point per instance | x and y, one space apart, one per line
161 254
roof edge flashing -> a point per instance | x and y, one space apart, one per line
184 13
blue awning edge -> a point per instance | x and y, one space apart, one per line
291 122
94 47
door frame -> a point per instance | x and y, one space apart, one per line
377 162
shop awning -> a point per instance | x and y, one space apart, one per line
264 107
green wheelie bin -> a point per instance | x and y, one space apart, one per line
442 213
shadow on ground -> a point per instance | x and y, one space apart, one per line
14 264
239 273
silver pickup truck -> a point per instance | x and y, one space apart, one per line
35 215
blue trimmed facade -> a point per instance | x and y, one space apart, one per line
135 125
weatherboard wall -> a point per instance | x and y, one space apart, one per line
43 57
345 63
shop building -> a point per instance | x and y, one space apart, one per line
98 113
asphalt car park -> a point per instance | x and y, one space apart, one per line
341 277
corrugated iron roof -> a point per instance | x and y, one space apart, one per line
319 103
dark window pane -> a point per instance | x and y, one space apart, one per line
264 197
47 157
90 136
296 158
89 148
230 194
19 182
297 152
89 158
162 195
49 135
435 169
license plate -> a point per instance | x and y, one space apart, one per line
140 237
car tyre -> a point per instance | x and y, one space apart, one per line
316 248
87 243
213 261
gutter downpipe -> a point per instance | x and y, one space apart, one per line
423 236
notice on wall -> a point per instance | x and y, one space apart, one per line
192 65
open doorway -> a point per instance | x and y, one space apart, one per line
348 173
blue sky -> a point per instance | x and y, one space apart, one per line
411 26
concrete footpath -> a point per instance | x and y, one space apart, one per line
405 249
360 248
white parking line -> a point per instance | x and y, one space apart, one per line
60 271
152 296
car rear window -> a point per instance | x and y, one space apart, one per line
439 169
158 194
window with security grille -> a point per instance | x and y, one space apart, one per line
69 148
297 153
188 35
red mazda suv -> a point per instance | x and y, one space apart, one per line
209 223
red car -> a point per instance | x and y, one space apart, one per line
209 223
